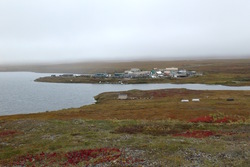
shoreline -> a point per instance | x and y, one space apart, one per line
107 92
112 96
189 80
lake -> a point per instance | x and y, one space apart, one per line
19 93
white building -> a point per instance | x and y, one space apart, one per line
135 70
122 96
172 69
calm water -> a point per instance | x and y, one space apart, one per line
20 94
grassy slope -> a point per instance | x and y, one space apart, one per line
142 128
153 147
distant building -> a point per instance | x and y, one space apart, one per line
101 75
153 72
135 70
195 100
167 73
141 74
182 73
119 75
67 75
172 69
86 75
122 96
158 72
184 101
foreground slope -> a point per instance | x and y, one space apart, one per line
150 128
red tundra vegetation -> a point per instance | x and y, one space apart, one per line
86 157
7 133
205 119
101 155
211 119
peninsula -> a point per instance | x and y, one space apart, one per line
226 72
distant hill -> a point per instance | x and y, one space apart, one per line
228 65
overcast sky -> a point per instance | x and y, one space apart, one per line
72 30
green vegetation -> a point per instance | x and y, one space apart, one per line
150 128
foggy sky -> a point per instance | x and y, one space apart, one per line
70 30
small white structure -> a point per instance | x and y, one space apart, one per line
158 72
122 96
195 100
135 70
172 69
185 101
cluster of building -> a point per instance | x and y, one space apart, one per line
154 73
172 72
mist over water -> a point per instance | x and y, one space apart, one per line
19 93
